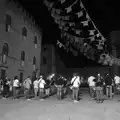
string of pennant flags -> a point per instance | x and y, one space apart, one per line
79 34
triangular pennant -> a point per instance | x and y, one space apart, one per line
71 24
58 11
91 32
62 23
79 14
76 39
81 4
58 42
65 28
85 23
48 4
99 47
62 1
60 27
87 16
66 17
92 38
98 35
81 40
69 9
78 32
60 45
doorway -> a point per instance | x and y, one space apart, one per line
21 77
3 73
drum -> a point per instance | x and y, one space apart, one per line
118 87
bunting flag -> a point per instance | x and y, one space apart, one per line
77 28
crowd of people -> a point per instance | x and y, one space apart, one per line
43 87
103 85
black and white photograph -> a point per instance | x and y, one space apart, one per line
59 60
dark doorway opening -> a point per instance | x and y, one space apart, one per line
21 77
3 73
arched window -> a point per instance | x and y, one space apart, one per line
34 60
22 58
44 60
8 22
24 32
35 41
34 63
5 51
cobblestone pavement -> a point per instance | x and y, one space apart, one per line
52 109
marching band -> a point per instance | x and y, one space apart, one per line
45 86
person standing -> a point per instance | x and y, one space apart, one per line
1 80
117 83
36 86
99 88
47 87
5 88
91 84
108 84
27 85
15 87
59 83
41 87
65 86
75 87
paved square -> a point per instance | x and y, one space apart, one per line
52 109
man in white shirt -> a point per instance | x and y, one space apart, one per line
75 83
91 84
117 83
41 87
15 87
36 85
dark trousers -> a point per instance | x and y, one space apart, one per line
15 92
27 93
41 93
92 92
59 92
109 92
5 91
75 93
99 94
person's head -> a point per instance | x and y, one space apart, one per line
28 77
41 76
16 77
98 74
115 75
6 77
74 74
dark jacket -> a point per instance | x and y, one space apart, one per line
59 81
47 84
65 83
108 80
99 82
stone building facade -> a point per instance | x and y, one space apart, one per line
20 41
50 61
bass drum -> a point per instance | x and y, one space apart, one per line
118 87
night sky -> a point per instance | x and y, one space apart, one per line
104 13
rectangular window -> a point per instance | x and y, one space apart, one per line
21 77
8 22
44 60
35 41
